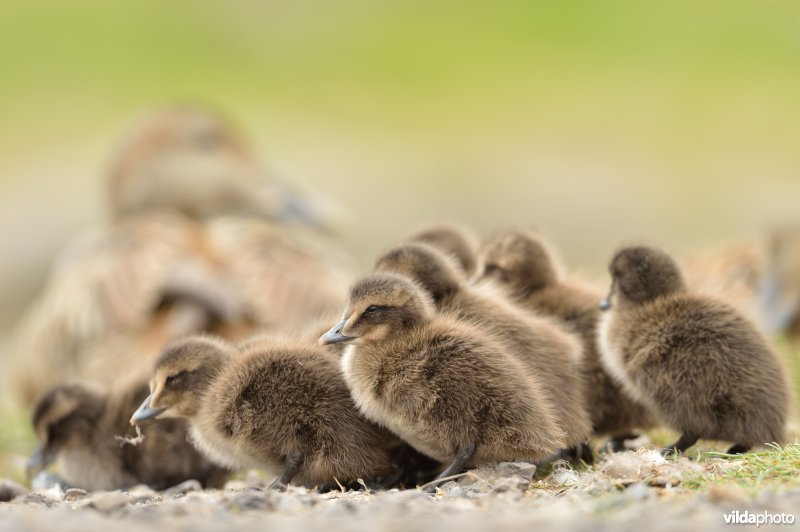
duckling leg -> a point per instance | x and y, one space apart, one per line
683 443
579 452
739 448
291 465
584 453
617 443
460 460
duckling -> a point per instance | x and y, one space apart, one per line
120 293
114 298
194 160
79 426
455 240
446 386
731 272
267 404
758 276
779 287
544 347
701 365
524 263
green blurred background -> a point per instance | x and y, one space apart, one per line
596 121
677 122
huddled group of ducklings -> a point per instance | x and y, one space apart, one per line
447 358
203 313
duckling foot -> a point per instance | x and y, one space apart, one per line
460 460
683 443
617 443
739 449
580 452
291 465
584 453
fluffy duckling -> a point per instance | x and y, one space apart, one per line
779 287
79 427
733 273
267 405
455 240
447 387
525 264
543 346
703 368
121 293
760 277
114 298
194 160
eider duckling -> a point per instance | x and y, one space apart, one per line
779 288
703 368
543 346
81 427
267 405
194 160
455 240
524 263
445 386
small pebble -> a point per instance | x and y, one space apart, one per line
732 496
107 501
75 494
10 490
521 469
235 485
183 488
565 476
638 491
251 500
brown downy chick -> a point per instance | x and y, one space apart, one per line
522 262
543 346
445 386
779 287
267 405
78 427
121 293
454 240
116 296
193 160
703 368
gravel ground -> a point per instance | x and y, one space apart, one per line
630 490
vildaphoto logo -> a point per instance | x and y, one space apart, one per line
746 517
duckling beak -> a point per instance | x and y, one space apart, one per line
335 336
605 304
39 460
145 412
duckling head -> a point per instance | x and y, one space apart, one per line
640 274
176 146
518 260
433 270
452 239
181 375
64 418
381 305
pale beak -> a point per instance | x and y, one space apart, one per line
335 336
145 412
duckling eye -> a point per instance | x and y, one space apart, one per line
171 378
372 309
